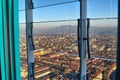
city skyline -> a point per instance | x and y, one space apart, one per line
56 43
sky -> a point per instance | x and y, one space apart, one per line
95 9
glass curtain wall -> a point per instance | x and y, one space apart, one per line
55 39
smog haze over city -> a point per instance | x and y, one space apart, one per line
56 43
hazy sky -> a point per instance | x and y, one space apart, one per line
95 9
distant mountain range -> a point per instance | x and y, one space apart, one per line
103 30
66 29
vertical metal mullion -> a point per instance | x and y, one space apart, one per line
83 35
118 45
29 25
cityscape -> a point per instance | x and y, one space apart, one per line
57 56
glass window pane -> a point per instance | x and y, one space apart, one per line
103 39
54 41
102 8
43 3
22 17
58 12
24 69
56 54
21 5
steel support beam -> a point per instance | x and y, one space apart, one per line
83 37
29 38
